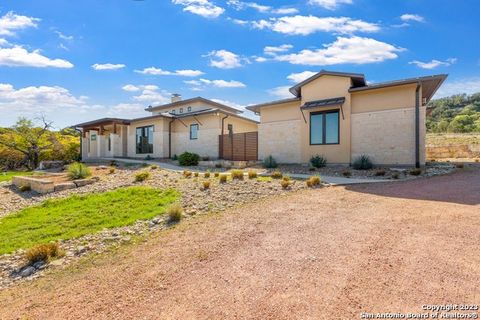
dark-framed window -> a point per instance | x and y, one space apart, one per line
325 127
144 139
181 110
173 111
230 129
189 109
193 131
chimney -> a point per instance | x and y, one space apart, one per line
176 97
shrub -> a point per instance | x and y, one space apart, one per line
206 185
174 158
285 184
416 172
396 175
43 252
312 169
188 159
148 157
269 162
315 180
380 173
187 174
223 178
362 162
286 178
174 212
252 174
460 165
276 175
218 165
142 176
309 183
111 170
318 161
205 158
216 174
207 174
196 174
153 167
237 174
78 170
347 173
25 188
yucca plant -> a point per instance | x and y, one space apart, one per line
78 170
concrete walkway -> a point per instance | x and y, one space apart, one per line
336 181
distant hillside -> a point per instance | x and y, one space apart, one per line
458 114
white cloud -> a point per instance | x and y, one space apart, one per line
63 36
229 103
270 50
107 66
241 5
260 59
153 96
224 59
412 17
281 92
36 99
356 50
134 88
434 63
199 85
159 72
458 86
299 77
305 25
329 4
204 8
11 22
17 56
3 42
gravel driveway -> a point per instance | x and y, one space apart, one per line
330 253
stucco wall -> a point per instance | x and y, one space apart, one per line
388 137
384 99
239 125
158 141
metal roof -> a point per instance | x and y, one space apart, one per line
323 103
255 107
101 121
196 99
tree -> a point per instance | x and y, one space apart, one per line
29 139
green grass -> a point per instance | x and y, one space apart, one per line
76 216
7 176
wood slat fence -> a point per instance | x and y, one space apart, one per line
239 146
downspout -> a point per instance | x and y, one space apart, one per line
81 142
170 138
417 126
221 134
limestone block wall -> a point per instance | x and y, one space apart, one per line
205 145
158 139
281 139
388 137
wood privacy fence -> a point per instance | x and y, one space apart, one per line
239 146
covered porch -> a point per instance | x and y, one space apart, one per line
104 138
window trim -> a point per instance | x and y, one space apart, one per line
189 109
136 137
198 128
324 127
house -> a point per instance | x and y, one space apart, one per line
340 116
194 125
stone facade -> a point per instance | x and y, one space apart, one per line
281 139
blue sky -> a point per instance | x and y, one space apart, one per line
75 61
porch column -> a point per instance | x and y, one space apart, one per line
85 137
115 147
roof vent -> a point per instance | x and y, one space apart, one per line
176 97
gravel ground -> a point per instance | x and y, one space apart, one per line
330 253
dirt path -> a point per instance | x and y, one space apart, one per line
318 254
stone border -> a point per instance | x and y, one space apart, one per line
44 186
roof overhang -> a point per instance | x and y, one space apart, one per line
256 107
323 103
430 85
192 100
101 122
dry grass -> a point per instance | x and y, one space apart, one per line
174 212
196 174
347 173
206 185
380 173
187 174
216 174
43 252
252 174
142 176
237 174
207 174
285 184
111 170
223 178
276 175
415 172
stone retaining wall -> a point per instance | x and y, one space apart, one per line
453 151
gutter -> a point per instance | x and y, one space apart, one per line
221 134
170 138
417 125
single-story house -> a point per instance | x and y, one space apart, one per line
194 125
340 116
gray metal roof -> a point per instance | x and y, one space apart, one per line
324 103
196 99
255 107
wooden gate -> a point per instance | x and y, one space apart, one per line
239 146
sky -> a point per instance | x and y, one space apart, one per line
75 61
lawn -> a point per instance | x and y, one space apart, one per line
76 216
7 176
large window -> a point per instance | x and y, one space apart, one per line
144 140
325 127
193 131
